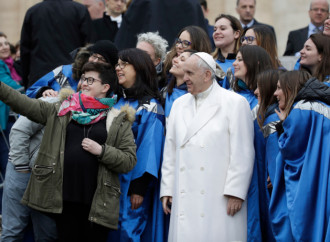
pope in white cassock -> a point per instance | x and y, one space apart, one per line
208 159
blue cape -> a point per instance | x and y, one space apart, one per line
50 80
300 207
148 130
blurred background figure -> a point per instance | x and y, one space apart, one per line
210 28
50 31
155 46
318 13
9 76
246 10
106 27
167 17
96 8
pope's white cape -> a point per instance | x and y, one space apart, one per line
208 154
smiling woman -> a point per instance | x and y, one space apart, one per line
315 57
86 144
139 200
303 160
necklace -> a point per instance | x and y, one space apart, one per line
88 130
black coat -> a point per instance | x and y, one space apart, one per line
296 41
167 17
104 28
51 30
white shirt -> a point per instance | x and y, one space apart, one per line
118 19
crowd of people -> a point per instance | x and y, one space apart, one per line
203 137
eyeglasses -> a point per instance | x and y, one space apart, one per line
90 80
322 10
121 65
249 39
184 43
98 57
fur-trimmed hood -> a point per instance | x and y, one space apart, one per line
113 113
65 93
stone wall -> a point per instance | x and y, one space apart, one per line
284 15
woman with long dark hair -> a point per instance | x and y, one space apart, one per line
190 37
315 57
250 61
299 204
136 77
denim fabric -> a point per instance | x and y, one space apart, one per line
15 216
4 151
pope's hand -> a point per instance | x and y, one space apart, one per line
234 205
167 202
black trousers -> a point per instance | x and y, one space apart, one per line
73 225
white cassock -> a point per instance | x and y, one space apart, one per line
208 154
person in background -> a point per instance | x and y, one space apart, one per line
86 145
303 163
262 36
103 51
314 57
250 61
106 27
155 46
9 76
210 28
246 10
318 13
140 192
47 43
96 8
226 36
167 17
207 167
190 37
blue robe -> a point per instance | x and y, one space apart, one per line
49 80
271 141
259 228
225 65
177 92
148 130
304 170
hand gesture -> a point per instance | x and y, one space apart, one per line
91 146
167 202
281 114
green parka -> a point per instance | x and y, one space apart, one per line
44 191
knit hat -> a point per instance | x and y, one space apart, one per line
108 50
208 59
